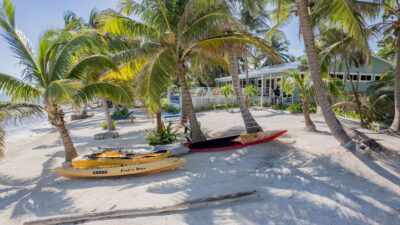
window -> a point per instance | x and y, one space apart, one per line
377 77
332 75
340 76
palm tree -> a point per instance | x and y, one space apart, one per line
15 112
226 90
51 77
173 33
336 42
391 30
301 84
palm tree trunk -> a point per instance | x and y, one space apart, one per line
315 70
249 121
56 118
310 127
184 116
70 151
84 110
356 95
396 120
247 69
159 123
110 125
187 105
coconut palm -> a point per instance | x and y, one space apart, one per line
51 77
335 43
344 14
249 92
226 90
15 113
173 33
391 30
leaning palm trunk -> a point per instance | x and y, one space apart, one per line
315 70
187 105
56 118
159 123
84 110
249 122
184 116
110 125
356 96
396 121
309 123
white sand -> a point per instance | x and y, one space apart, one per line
304 178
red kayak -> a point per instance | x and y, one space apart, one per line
234 142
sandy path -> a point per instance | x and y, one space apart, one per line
303 178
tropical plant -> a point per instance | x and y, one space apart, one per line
13 113
174 32
343 14
336 42
226 91
51 77
104 124
301 84
249 92
167 136
390 28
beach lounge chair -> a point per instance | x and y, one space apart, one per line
130 117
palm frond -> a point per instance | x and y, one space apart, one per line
62 91
18 89
112 90
97 62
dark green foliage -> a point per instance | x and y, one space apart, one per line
168 135
123 112
167 107
279 106
295 108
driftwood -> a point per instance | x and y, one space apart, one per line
218 200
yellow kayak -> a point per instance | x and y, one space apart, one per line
112 158
112 171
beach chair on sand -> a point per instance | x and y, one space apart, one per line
130 117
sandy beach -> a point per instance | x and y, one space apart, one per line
303 178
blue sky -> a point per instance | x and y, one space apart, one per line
35 16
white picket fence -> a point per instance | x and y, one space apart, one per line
205 97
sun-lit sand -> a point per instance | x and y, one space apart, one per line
303 178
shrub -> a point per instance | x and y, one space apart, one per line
295 108
104 124
168 135
349 114
123 112
279 106
374 127
167 107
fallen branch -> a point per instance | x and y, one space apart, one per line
218 200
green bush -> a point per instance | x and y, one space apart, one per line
294 108
104 124
279 106
168 135
121 113
374 127
349 114
167 107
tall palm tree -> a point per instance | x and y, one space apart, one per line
336 44
11 112
344 14
391 30
174 32
51 77
301 84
